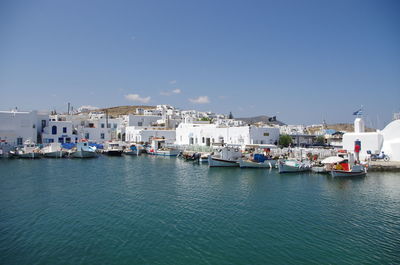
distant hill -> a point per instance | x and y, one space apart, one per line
124 110
343 127
262 118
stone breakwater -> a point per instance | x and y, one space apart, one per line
384 166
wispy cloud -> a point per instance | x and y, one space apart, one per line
169 93
172 82
200 100
137 98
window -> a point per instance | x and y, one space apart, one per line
51 141
108 125
43 124
266 134
115 126
202 140
101 135
102 125
61 140
87 135
64 129
54 129
140 123
68 140
19 141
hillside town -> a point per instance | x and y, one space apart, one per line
181 128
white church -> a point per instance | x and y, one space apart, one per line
386 140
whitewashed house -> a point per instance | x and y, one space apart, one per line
18 126
144 135
387 140
59 132
205 134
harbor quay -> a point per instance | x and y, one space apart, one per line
217 139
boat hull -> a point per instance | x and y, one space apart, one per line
83 154
283 168
132 153
29 155
321 170
251 164
165 153
344 173
218 162
114 153
55 154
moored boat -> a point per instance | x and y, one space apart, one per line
354 171
29 150
133 150
83 150
225 157
290 166
54 150
160 147
247 163
113 149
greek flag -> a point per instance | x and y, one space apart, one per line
358 112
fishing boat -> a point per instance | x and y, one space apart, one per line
133 150
290 166
159 147
225 157
54 150
113 149
165 151
204 158
83 150
248 163
325 166
257 161
354 171
28 150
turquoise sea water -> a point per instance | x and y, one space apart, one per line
155 210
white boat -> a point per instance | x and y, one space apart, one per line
319 169
355 171
289 166
225 157
83 150
165 152
132 150
159 147
29 150
113 149
247 163
54 150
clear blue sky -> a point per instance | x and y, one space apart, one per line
305 60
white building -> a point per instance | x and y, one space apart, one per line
59 132
206 134
18 126
387 140
142 120
138 134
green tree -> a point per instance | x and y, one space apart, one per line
320 139
285 140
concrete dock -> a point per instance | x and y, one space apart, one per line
384 166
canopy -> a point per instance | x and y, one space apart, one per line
332 159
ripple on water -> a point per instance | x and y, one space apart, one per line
152 210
